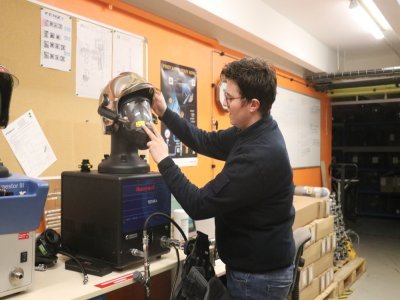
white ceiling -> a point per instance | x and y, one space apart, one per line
302 36
330 22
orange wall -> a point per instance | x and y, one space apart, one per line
171 42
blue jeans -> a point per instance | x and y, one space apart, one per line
272 285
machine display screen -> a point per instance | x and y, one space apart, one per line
141 198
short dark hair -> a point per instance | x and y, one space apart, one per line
255 79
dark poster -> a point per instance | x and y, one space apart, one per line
179 87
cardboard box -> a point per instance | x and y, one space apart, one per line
323 227
310 271
311 291
388 184
397 184
324 207
333 241
303 280
54 183
310 227
322 283
322 264
329 276
325 279
312 253
51 218
307 210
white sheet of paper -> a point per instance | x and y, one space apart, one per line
93 59
128 54
56 37
29 144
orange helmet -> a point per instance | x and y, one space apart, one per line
125 105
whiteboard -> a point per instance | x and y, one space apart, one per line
299 118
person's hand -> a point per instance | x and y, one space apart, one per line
159 105
157 147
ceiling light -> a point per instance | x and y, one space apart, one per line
376 14
365 20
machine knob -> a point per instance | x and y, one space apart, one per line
16 276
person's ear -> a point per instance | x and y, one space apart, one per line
254 105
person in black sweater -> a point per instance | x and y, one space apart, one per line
252 198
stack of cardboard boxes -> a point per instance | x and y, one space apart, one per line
51 218
316 276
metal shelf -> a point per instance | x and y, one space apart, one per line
379 170
368 148
372 135
366 192
375 123
375 214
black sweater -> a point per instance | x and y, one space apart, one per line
251 199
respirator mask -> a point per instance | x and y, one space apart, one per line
125 106
136 112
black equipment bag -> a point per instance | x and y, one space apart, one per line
198 280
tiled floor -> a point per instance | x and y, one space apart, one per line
380 246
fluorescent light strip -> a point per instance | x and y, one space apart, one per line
365 20
376 14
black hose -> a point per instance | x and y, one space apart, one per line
165 216
177 253
85 275
178 265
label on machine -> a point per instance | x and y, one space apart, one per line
141 198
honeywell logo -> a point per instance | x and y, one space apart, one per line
145 188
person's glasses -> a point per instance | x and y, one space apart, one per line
230 98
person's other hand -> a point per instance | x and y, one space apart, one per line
159 105
157 146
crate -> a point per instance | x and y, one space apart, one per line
330 293
340 264
349 273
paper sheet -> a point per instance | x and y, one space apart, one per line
29 144
93 59
128 54
56 36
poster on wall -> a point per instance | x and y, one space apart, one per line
128 54
93 59
179 87
55 40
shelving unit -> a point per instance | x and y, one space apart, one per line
369 135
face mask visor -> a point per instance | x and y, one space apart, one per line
137 113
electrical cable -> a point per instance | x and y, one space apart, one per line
349 233
178 265
165 216
146 280
85 275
